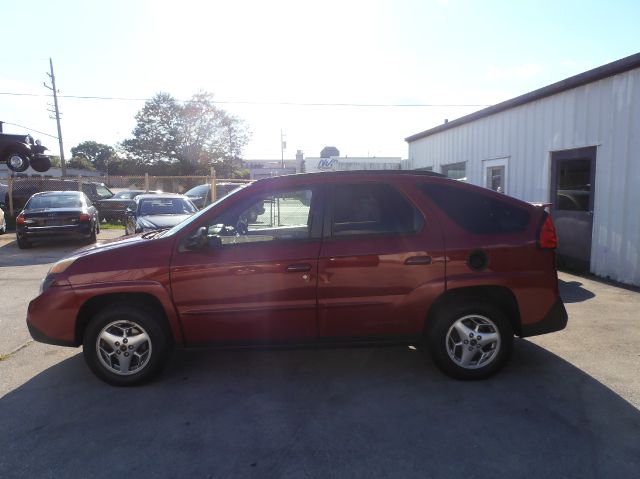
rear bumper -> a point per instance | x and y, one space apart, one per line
555 320
83 229
111 212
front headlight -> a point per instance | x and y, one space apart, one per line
62 265
57 268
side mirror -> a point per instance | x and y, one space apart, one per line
198 240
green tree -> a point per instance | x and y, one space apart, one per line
55 161
186 139
81 163
102 157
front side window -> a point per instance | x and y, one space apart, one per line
281 216
364 209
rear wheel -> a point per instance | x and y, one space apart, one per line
41 164
23 243
125 346
470 341
92 237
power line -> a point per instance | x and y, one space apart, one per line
30 129
263 103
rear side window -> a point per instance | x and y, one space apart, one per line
476 212
362 209
103 192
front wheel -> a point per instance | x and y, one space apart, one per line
125 346
470 342
17 162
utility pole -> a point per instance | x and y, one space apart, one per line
283 145
56 112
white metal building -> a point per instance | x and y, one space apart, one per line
575 144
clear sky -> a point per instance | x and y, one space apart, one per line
436 52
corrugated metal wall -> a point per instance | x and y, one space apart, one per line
605 114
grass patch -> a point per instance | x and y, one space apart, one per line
111 226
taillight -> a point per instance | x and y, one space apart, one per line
20 219
85 217
548 238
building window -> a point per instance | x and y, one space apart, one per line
495 174
455 171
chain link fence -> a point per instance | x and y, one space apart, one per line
15 191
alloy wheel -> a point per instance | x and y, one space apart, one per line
123 347
473 341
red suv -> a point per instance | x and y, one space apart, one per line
343 257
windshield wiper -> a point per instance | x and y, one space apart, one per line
154 233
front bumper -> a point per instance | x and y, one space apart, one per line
554 320
41 337
51 317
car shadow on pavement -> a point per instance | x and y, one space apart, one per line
574 292
11 255
361 412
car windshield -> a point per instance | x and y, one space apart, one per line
165 206
54 201
198 190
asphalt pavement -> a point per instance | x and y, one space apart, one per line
566 406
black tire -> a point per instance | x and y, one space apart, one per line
116 318
450 351
23 243
93 236
17 162
41 164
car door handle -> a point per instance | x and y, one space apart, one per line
416 260
298 268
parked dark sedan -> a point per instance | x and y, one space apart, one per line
55 214
24 188
155 212
114 208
